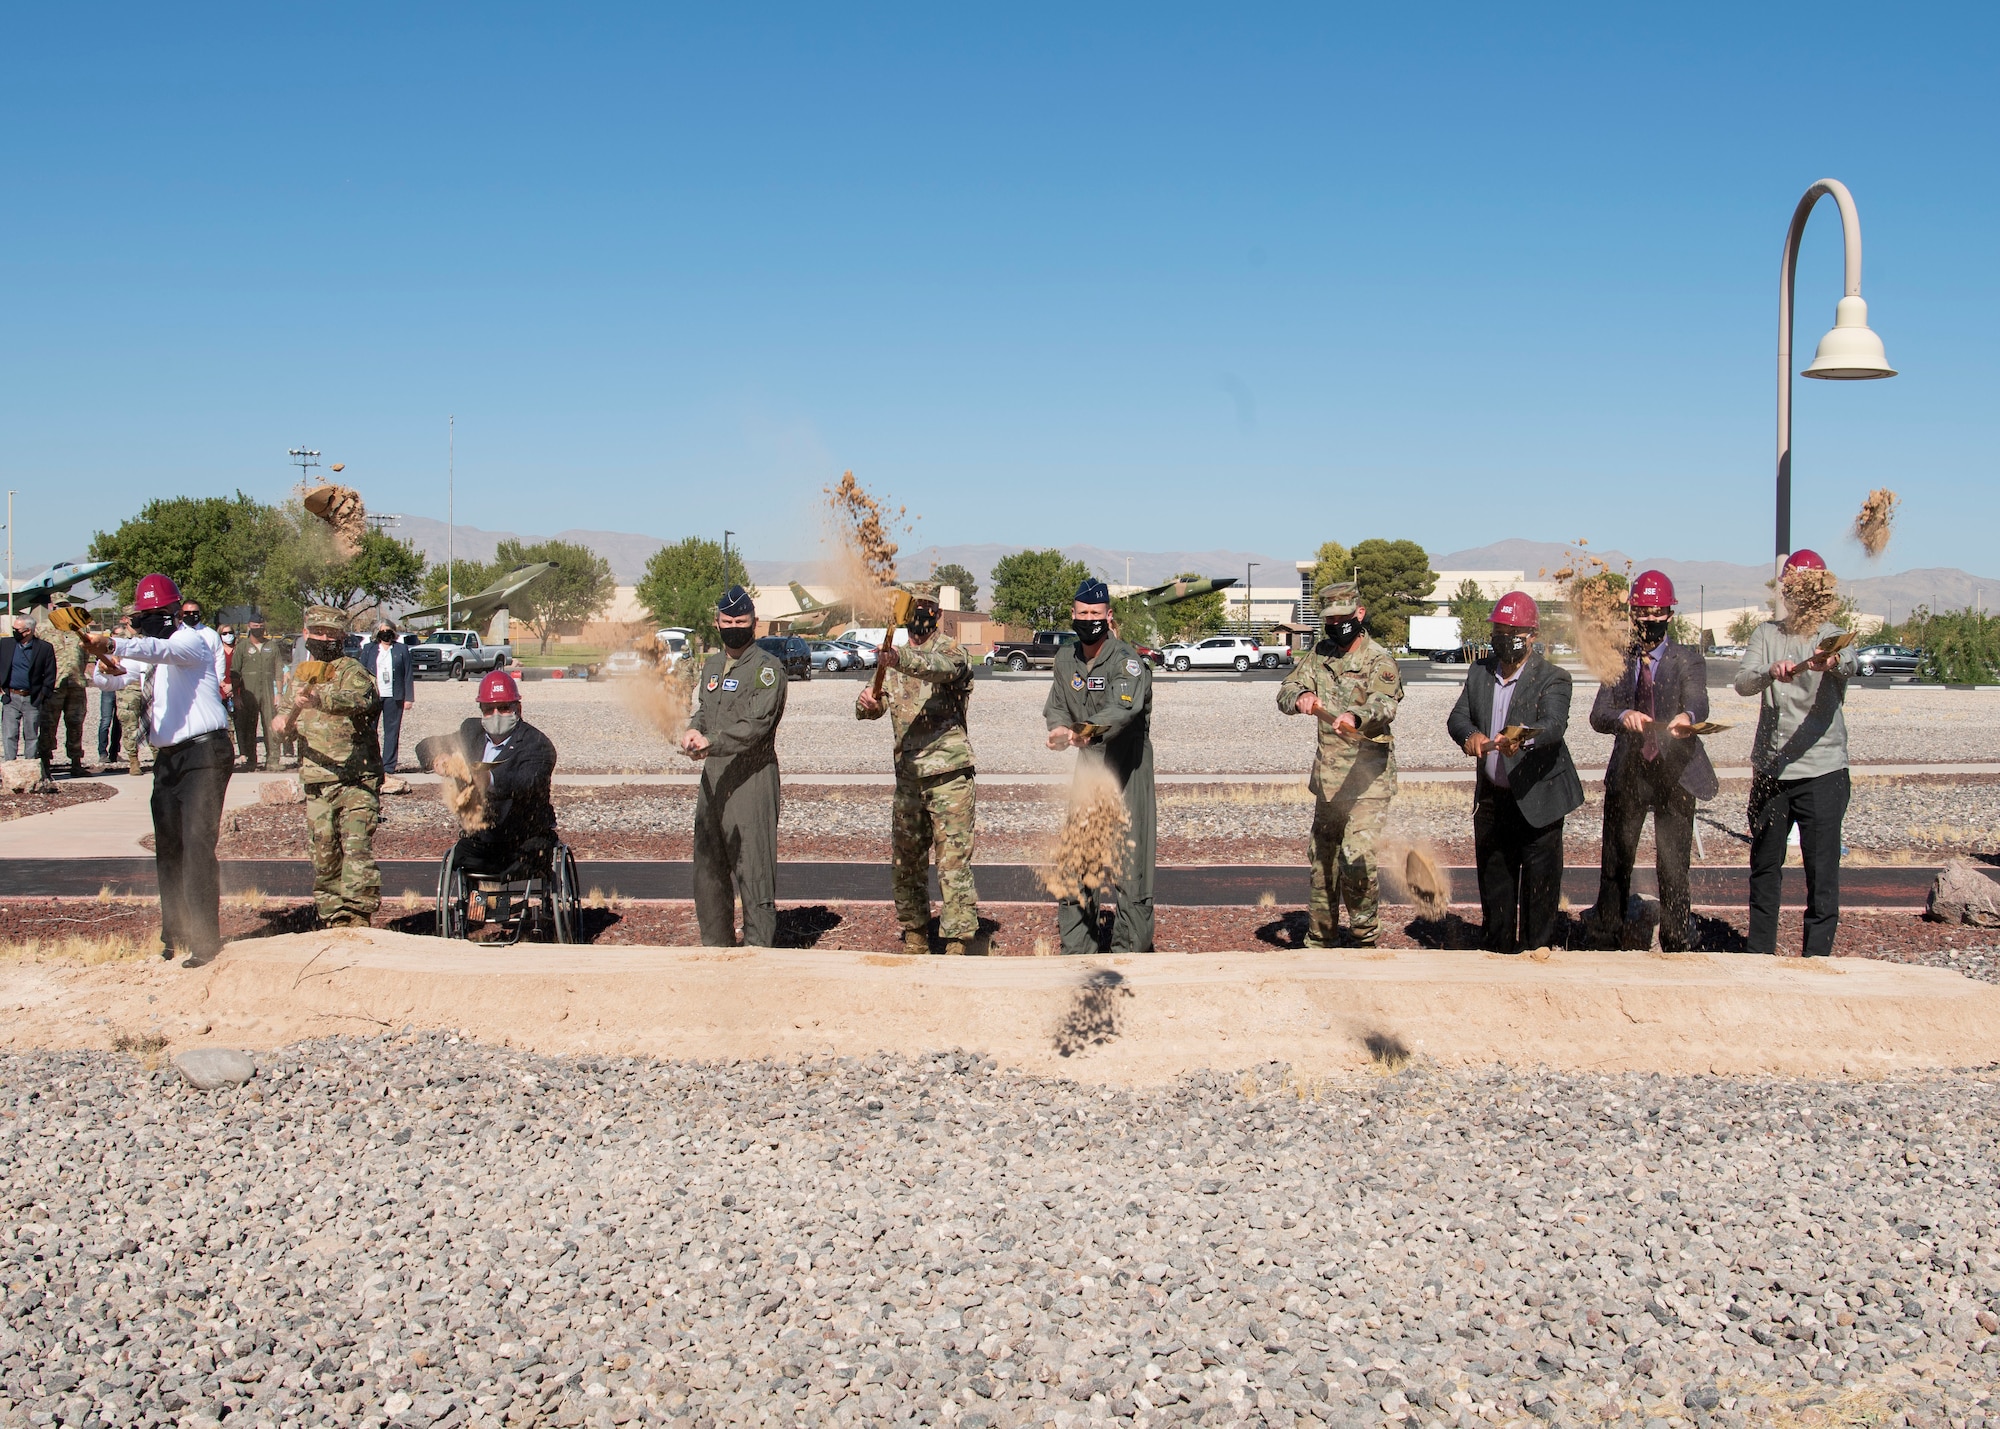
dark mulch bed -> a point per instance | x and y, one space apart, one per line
63 794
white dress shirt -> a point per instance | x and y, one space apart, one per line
186 687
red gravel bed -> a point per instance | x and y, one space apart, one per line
66 792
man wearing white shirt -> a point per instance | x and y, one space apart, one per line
189 730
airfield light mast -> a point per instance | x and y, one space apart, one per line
304 459
10 555
450 507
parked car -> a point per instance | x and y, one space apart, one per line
793 653
1020 654
829 656
1725 652
673 643
456 653
623 662
1224 652
1152 657
1887 660
861 650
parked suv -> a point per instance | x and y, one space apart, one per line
1887 660
1223 652
793 653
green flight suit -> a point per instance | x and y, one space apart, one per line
1114 691
1353 780
736 812
257 669
925 697
69 702
341 769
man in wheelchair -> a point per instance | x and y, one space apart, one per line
508 868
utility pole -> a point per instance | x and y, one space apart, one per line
1702 607
10 555
1248 566
450 509
726 534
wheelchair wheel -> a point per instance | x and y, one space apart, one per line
451 897
565 902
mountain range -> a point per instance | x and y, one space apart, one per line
1719 585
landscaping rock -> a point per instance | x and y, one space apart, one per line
212 1067
1962 893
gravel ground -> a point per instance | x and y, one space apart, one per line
61 794
415 1230
1200 726
1891 816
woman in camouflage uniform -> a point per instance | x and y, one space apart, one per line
332 714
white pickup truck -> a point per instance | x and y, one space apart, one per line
456 653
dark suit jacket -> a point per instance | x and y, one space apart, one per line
518 801
1680 685
399 662
41 666
1542 775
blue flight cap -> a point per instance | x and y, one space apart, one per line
735 601
1093 592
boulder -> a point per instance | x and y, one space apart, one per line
21 776
1962 893
212 1067
282 791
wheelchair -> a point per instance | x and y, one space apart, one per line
536 895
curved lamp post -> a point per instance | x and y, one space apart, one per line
1850 352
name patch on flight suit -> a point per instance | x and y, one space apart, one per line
1095 682
730 683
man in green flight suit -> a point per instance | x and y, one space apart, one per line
927 688
1101 704
340 765
1352 687
257 662
734 734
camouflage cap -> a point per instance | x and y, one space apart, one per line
325 617
922 590
1339 598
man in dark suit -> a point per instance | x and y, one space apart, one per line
27 682
1527 781
514 765
1657 764
388 661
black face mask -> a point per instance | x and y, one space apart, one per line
1652 632
191 619
1511 645
323 649
1090 631
1341 634
736 637
154 624
923 625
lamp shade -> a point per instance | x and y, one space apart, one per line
1851 352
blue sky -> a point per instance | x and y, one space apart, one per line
1138 276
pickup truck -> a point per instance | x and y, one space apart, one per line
1020 654
456 653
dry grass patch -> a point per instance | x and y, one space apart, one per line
83 949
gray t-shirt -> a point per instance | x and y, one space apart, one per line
1802 725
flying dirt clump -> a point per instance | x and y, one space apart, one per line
1872 522
340 507
1811 599
667 700
863 554
1096 835
1598 606
462 792
1411 871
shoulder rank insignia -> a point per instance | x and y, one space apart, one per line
730 683
767 676
1076 682
1131 667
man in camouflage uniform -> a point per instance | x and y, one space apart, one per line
925 692
70 700
333 714
1351 685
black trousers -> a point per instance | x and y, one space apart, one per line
110 734
390 729
1818 806
1643 788
1520 873
189 781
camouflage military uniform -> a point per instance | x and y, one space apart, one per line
341 769
69 701
925 697
132 717
1353 778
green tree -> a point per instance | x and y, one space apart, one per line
1035 588
952 573
1136 621
309 569
1395 577
578 589
1745 625
1334 562
1194 617
1473 609
682 582
216 548
1960 647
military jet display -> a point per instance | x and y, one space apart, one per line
1180 589
817 617
54 581
481 606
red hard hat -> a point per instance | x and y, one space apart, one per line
1517 610
1804 560
498 688
156 592
1652 589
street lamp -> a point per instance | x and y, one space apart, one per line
1248 566
1850 352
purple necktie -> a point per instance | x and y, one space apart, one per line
1651 747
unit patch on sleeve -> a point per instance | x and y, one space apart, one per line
1131 667
767 677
